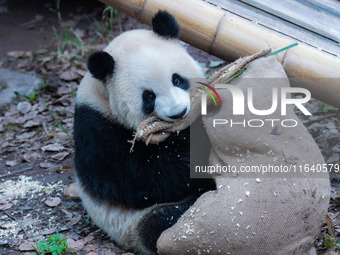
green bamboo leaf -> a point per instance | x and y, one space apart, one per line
214 64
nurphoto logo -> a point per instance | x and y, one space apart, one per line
280 98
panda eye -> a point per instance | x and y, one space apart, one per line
176 82
179 81
149 95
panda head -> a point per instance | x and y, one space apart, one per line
145 73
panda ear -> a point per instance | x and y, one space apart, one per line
101 65
164 24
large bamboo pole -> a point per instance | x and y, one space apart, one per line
229 36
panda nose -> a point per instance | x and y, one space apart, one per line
178 116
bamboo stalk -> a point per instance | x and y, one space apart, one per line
229 36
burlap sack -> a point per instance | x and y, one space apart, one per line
252 214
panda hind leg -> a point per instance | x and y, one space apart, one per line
159 219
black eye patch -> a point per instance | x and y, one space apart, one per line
149 98
179 81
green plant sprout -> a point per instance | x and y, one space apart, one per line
66 38
30 97
110 17
325 108
54 245
331 242
58 122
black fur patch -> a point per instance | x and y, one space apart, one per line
151 174
148 101
180 81
100 65
164 24
159 219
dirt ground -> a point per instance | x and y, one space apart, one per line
36 160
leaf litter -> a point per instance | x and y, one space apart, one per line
38 196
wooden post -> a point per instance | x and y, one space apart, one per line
229 37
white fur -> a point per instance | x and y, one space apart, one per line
118 222
143 60
93 93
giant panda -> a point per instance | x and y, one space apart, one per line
135 196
